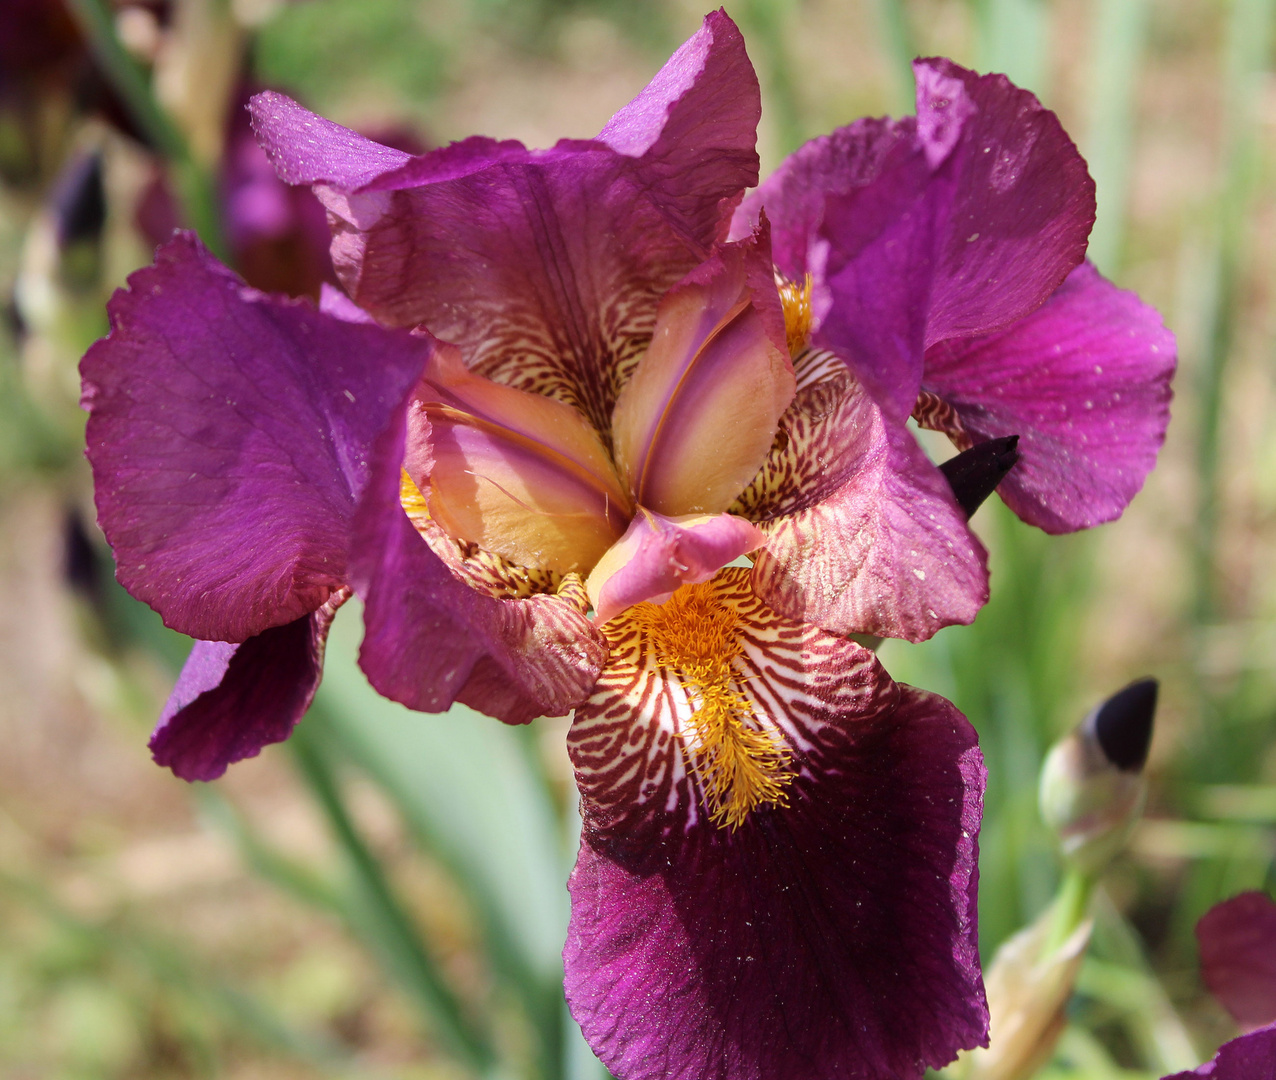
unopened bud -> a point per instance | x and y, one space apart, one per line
1092 785
975 473
78 202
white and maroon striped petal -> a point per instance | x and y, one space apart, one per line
864 535
635 742
828 931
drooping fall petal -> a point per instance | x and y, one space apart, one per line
1084 381
863 532
657 554
828 933
232 700
696 421
516 473
432 639
229 433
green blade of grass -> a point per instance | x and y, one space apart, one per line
386 923
1118 36
174 969
472 793
900 46
1012 40
196 187
1247 57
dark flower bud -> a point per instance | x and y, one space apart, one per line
1092 787
1123 724
975 473
78 202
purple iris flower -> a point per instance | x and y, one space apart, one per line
1237 939
582 435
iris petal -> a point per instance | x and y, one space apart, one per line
519 474
657 554
863 532
1084 381
1238 957
232 700
697 419
830 934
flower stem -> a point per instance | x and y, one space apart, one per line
1071 908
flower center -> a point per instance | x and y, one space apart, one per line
796 301
739 766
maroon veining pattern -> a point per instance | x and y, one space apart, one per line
625 741
583 310
935 414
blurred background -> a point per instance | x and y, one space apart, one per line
384 895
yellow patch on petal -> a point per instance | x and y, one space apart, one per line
412 501
796 300
480 569
739 767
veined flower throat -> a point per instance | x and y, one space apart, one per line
739 766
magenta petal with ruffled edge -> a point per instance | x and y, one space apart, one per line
229 433
545 267
1084 381
833 937
877 545
431 639
1021 204
232 700
332 301
1237 939
694 129
1251 1057
657 554
954 224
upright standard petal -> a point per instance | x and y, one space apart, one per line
432 639
229 433
830 932
232 700
863 532
696 421
1018 205
545 267
955 224
307 149
1237 939
694 128
1084 382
